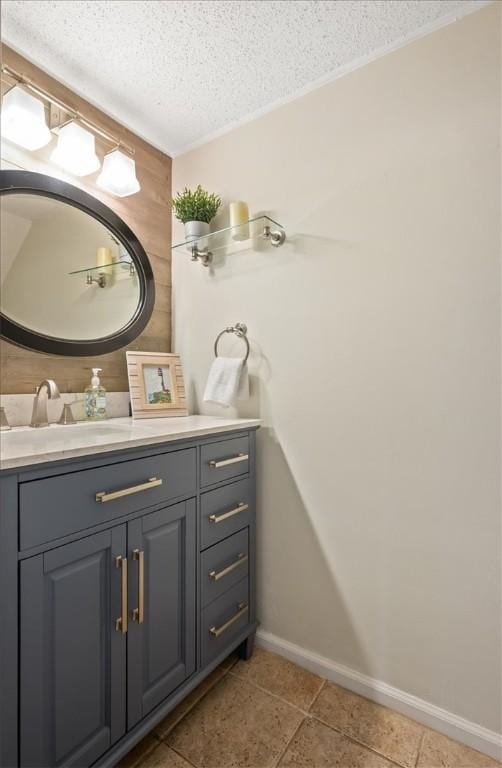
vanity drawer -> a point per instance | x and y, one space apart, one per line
224 460
224 511
224 620
224 565
58 506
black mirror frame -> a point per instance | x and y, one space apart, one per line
27 182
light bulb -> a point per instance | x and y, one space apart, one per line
76 151
118 174
23 119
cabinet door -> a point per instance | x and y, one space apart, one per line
72 658
161 640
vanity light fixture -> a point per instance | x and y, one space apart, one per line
23 122
23 119
118 174
76 150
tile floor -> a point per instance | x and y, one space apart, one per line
269 712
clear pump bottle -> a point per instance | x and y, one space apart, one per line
95 398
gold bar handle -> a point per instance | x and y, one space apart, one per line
226 462
121 622
103 496
138 614
217 575
231 512
242 608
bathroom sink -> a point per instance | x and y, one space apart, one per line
44 443
57 433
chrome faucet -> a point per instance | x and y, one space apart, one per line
39 416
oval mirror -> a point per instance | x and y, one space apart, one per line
74 279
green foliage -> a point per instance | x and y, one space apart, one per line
195 206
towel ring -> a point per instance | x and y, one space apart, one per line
240 330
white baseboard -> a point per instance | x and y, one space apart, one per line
475 736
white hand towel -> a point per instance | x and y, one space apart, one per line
243 391
227 381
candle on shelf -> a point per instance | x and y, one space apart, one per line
104 257
239 217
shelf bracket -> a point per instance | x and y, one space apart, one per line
276 236
203 254
100 280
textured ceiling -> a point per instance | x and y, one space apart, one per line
178 72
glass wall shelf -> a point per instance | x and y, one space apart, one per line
99 274
262 227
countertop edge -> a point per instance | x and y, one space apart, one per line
24 462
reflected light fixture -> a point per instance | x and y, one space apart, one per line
76 150
23 119
118 174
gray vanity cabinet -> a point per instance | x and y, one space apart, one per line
161 635
72 662
73 667
126 578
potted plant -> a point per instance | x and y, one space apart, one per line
195 209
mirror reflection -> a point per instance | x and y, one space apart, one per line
63 274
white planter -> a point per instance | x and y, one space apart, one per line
195 229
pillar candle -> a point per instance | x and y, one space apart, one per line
239 215
104 257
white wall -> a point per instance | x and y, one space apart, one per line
13 232
376 361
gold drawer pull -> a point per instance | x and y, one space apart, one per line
103 496
232 460
242 608
231 512
138 614
121 622
216 576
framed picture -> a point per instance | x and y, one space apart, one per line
156 385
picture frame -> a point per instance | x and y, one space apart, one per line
156 385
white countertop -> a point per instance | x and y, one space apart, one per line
24 446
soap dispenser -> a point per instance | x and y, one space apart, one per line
95 398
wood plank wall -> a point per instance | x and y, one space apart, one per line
148 213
